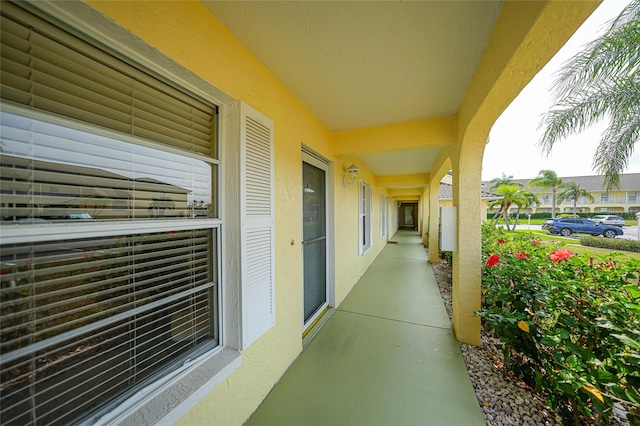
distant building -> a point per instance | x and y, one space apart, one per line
626 198
445 196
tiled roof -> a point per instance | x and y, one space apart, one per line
446 192
628 182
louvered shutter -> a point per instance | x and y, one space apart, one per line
258 299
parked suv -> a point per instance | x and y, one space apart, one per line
566 227
608 219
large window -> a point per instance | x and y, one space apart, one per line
383 215
366 216
109 268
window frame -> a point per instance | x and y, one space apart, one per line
36 233
170 397
365 218
383 215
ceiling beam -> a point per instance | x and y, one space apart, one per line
413 135
412 193
399 181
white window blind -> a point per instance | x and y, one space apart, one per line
257 207
95 308
46 68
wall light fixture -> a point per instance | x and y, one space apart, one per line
353 171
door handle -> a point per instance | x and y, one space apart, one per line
304 243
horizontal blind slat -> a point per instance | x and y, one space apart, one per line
86 321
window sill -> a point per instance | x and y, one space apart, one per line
172 397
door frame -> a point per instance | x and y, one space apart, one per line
311 157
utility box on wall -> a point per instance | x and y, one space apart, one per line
448 228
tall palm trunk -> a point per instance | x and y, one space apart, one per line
506 216
515 223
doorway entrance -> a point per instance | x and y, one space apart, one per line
408 216
315 244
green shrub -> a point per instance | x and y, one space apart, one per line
611 243
570 325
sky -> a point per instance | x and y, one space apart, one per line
512 147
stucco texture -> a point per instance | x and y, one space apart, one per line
189 34
525 36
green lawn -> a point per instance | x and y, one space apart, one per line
575 246
525 221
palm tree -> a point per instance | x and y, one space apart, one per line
524 200
547 179
504 180
598 83
511 194
572 191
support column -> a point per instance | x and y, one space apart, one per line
425 203
434 220
467 259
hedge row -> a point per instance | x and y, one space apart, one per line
611 243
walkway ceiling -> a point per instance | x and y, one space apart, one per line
362 64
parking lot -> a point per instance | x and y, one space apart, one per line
630 232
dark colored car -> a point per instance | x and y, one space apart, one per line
566 227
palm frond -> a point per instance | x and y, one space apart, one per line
602 82
616 147
629 14
575 114
614 55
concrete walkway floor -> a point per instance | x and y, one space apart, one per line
387 356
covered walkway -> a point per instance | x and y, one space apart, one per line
387 355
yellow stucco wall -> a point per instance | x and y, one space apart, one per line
433 132
188 33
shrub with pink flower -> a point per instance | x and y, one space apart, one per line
569 323
561 254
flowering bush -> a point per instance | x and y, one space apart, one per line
570 326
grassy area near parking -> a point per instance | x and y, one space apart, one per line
525 221
575 246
